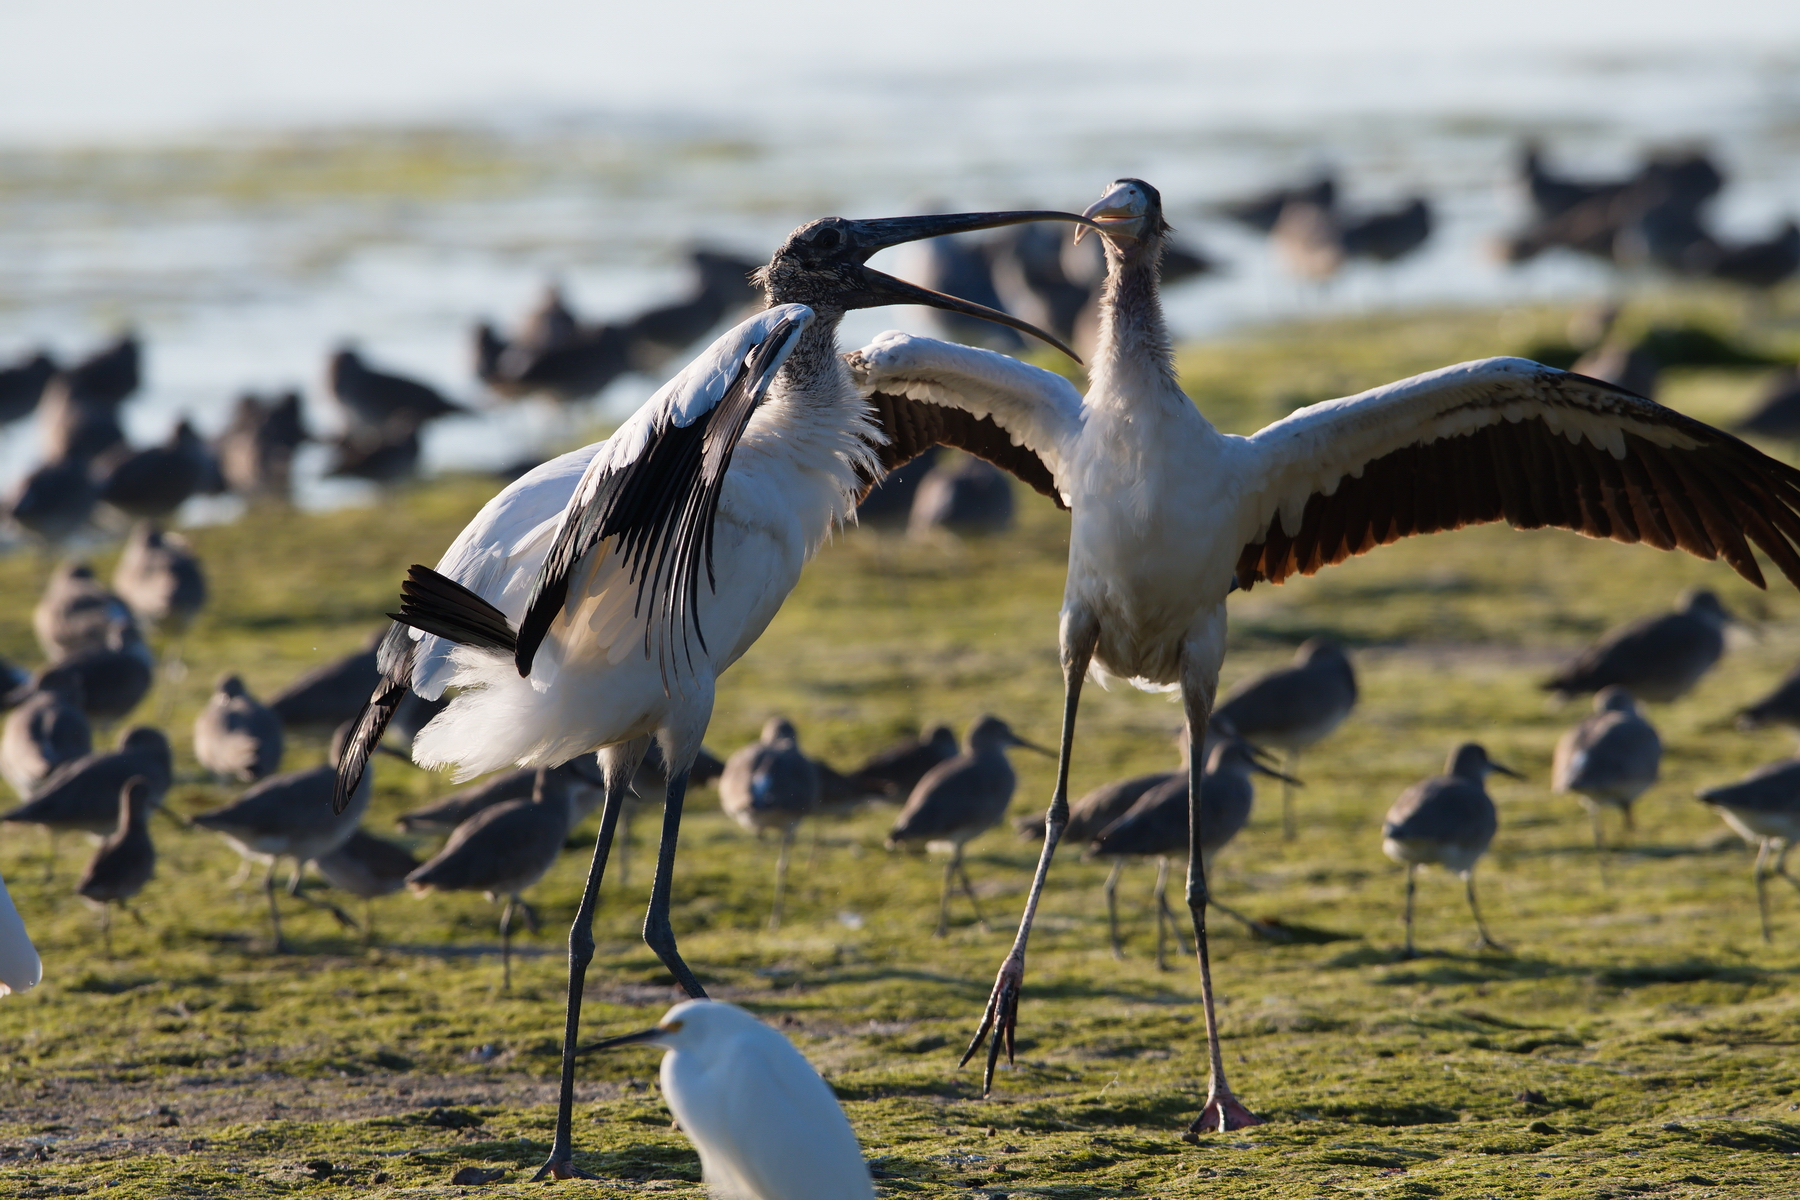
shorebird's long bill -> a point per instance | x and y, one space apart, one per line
642 1036
1507 771
1272 773
1022 744
879 289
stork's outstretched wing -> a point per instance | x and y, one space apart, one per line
1504 439
655 485
926 392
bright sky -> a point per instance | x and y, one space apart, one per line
125 68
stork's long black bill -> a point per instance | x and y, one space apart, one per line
869 236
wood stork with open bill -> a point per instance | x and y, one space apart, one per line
591 605
1168 513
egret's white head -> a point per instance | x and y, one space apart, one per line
1129 216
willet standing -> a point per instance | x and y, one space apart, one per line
1764 808
771 784
1450 820
369 867
1655 658
125 861
235 736
1293 707
960 799
76 613
1609 760
46 731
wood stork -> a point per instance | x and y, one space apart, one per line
1168 513
592 604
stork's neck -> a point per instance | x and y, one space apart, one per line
1132 349
813 369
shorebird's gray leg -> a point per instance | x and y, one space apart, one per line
1112 909
1486 942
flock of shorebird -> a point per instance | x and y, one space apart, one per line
572 634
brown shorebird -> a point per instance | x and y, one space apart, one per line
114 678
76 613
1609 760
896 770
235 736
84 794
503 850
256 451
771 785
327 696
1779 707
958 800
580 776
1156 826
1449 820
290 816
1763 808
46 731
125 861
1655 658
970 496
159 576
369 867
1293 707
153 482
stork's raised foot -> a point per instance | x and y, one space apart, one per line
1000 1019
561 1167
1222 1114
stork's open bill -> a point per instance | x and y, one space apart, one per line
592 604
1167 512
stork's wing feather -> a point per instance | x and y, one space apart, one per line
655 485
925 392
1505 439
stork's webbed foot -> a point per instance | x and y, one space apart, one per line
1223 1113
1000 1019
561 1166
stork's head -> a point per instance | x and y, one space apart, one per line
822 265
1129 217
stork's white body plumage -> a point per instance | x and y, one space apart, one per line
792 477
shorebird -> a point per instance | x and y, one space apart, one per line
46 731
55 499
160 577
369 867
327 696
372 399
1294 707
771 784
84 794
291 816
1757 264
1449 820
1780 707
960 799
581 776
76 613
125 861
1156 826
1763 808
1777 411
1609 760
1167 512
235 736
114 677
895 770
503 851
154 482
1654 658
22 384
256 450
970 496
1260 212
598 597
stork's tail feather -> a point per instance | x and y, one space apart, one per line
438 605
370 725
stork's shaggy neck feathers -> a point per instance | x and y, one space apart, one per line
1133 337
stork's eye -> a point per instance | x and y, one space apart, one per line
827 238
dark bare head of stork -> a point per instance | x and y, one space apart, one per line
822 265
1130 220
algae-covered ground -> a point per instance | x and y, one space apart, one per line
1638 1038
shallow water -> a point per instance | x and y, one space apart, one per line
245 256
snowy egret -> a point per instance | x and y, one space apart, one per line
766 1125
1168 513
1449 820
591 605
20 968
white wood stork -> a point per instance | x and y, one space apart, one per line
592 604
1168 513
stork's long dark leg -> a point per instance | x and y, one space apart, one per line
561 1163
1080 633
659 935
1486 942
1222 1110
1112 909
